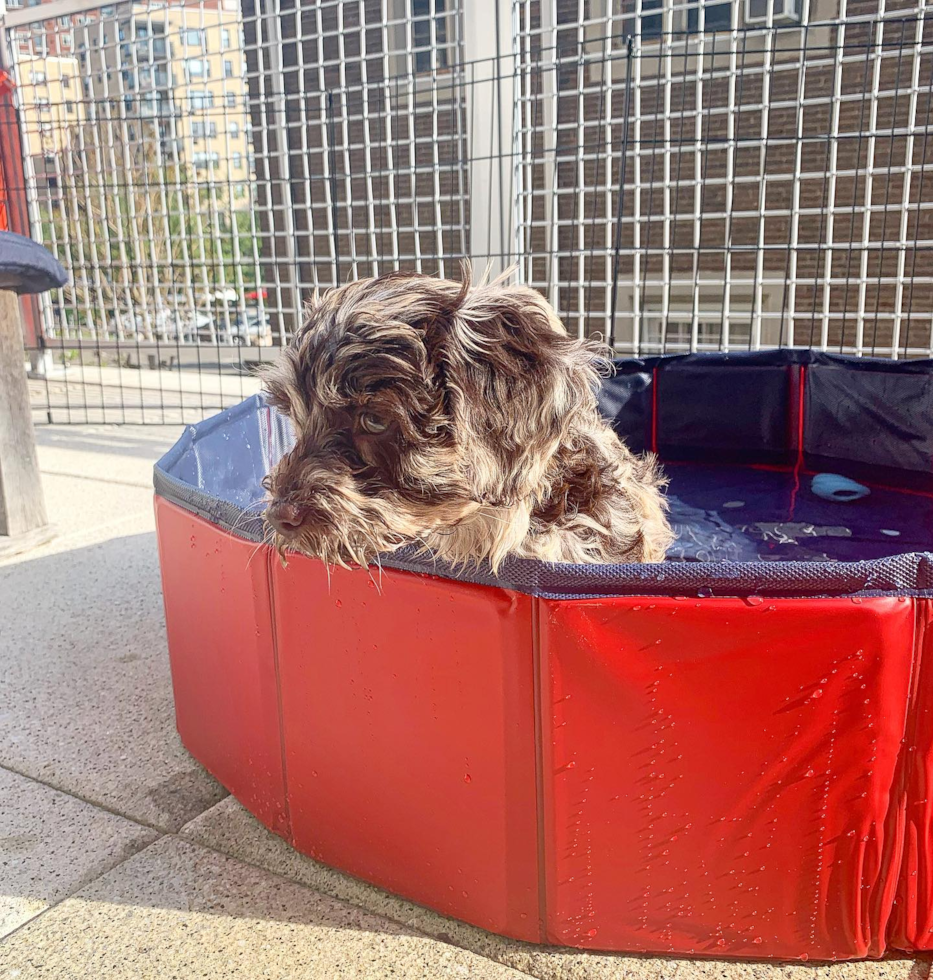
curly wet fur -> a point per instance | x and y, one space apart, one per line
493 443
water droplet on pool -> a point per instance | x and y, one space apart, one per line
890 532
754 600
757 940
467 778
734 504
592 933
339 604
818 693
809 772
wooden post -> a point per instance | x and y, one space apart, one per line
23 520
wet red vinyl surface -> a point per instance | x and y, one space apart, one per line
718 777
719 773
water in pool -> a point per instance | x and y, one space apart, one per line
733 513
720 513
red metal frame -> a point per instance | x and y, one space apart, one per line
14 205
722 777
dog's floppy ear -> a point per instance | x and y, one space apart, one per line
515 384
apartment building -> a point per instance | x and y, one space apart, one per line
50 102
165 81
178 71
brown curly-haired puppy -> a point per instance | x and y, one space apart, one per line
462 418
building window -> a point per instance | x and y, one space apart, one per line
424 38
193 38
684 18
70 108
66 40
63 21
197 68
228 69
233 130
225 38
44 106
678 333
37 77
652 25
230 100
202 161
201 99
237 161
717 17
201 129
66 81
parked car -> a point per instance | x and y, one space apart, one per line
183 325
166 325
249 327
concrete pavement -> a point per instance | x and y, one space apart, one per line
120 857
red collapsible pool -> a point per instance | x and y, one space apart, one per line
727 754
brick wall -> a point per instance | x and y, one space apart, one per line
750 225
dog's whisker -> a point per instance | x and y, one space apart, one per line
252 554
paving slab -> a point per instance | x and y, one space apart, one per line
85 691
116 454
177 910
52 844
228 827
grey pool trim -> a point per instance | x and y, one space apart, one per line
900 575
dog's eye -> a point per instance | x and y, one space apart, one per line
372 424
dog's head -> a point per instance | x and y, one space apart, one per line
416 401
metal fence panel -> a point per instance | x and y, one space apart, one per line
672 176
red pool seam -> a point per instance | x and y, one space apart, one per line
898 870
798 466
271 556
654 409
538 705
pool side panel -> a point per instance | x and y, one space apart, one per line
912 919
408 706
722 776
219 622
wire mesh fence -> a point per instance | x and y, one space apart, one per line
672 176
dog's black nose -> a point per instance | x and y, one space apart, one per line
285 516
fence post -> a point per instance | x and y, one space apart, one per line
489 64
14 199
25 268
